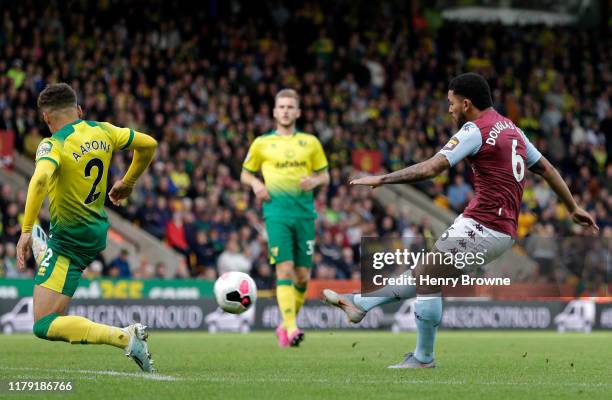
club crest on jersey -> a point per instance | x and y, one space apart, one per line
451 143
43 149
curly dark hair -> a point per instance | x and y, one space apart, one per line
473 87
57 96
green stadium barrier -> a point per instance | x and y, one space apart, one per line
119 289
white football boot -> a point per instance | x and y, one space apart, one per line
137 348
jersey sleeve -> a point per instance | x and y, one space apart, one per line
464 143
252 162
36 195
141 140
532 154
121 137
319 160
49 150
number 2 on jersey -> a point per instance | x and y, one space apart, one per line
94 162
49 254
518 165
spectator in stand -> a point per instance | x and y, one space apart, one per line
324 270
160 270
263 275
203 255
330 249
232 259
175 233
94 270
344 268
2 266
459 193
120 266
10 262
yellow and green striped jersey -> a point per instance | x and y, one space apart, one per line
82 152
284 161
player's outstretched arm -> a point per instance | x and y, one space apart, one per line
247 178
414 173
144 149
37 191
550 174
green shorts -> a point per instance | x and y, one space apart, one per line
291 239
58 273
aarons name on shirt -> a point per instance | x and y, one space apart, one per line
91 146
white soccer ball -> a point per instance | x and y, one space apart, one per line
235 292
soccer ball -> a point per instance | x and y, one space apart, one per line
235 292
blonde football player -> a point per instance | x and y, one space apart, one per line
292 164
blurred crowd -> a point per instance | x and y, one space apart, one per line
202 79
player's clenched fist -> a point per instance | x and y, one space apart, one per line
261 192
23 246
119 192
308 183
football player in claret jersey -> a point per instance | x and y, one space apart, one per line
500 154
292 164
72 168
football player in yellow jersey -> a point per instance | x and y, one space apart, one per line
72 168
292 164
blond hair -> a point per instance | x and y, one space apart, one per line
290 93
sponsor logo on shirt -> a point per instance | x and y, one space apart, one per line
290 164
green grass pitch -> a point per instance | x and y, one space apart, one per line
328 365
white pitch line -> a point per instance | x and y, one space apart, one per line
349 381
153 377
232 379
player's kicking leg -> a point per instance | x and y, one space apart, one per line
56 282
428 307
472 238
357 306
428 311
344 302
